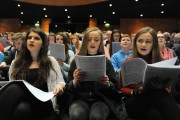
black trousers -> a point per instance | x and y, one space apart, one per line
17 103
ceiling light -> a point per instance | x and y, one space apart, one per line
162 12
66 10
19 5
69 17
110 5
141 15
22 22
104 22
136 0
45 15
113 13
37 21
56 26
90 15
162 4
44 9
22 13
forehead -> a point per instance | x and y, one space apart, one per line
59 36
33 34
160 34
94 34
145 36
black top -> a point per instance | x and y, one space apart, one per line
32 78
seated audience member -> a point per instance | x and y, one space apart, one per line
1 57
76 43
1 48
115 37
177 38
144 102
177 48
10 42
88 103
120 56
108 37
52 37
61 38
17 41
40 70
169 41
166 53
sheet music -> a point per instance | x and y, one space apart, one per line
57 51
137 70
133 71
115 47
94 66
4 42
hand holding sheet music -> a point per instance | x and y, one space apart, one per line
93 66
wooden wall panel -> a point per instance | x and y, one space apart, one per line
133 25
10 25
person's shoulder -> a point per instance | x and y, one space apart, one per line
70 52
51 58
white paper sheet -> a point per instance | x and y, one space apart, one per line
94 66
57 51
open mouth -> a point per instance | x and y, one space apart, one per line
31 45
143 49
92 46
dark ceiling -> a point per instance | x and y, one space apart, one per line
81 14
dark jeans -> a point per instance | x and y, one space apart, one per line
85 110
138 107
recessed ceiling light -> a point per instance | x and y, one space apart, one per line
104 22
113 13
22 13
45 15
22 22
69 16
110 5
56 26
136 0
162 12
66 10
141 15
19 5
37 21
162 4
90 15
44 9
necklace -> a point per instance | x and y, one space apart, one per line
34 62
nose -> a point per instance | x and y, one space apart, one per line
144 43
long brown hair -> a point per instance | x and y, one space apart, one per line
83 50
154 55
24 59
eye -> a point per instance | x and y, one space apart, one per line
36 38
140 41
29 37
148 42
89 39
96 39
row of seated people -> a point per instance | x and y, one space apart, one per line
83 100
